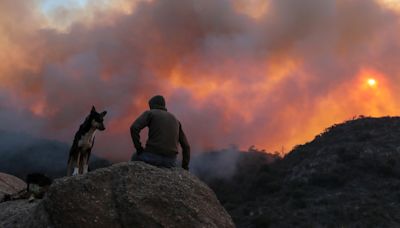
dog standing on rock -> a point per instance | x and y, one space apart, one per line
81 148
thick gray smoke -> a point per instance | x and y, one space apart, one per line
231 73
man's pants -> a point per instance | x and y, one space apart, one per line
155 159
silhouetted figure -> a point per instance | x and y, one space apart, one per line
165 132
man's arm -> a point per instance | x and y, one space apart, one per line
185 148
141 122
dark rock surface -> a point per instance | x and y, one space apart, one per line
124 195
22 214
10 185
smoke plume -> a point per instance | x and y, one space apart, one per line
271 73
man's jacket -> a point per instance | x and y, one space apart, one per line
165 133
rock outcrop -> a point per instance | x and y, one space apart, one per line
130 194
10 185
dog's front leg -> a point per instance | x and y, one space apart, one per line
75 165
85 162
77 169
69 166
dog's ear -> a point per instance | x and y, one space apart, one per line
93 109
103 113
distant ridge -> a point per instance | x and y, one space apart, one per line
348 176
22 154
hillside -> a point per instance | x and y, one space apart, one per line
348 176
22 154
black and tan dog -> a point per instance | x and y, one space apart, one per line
83 143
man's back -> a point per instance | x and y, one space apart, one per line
165 132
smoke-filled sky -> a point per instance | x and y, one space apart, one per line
268 73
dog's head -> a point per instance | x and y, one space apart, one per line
97 119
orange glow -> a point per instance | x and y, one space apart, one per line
38 109
390 4
371 82
343 103
371 78
252 8
232 71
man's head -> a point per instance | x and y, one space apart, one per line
157 102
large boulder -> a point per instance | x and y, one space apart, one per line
130 194
10 185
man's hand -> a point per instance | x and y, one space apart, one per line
134 157
139 150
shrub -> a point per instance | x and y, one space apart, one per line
299 203
346 155
328 180
262 221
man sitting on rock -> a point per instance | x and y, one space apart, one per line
165 132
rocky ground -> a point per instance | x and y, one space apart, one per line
130 194
10 185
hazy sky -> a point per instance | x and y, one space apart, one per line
271 73
49 5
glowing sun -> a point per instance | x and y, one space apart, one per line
371 82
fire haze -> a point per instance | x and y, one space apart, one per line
269 73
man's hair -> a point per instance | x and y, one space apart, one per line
157 102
